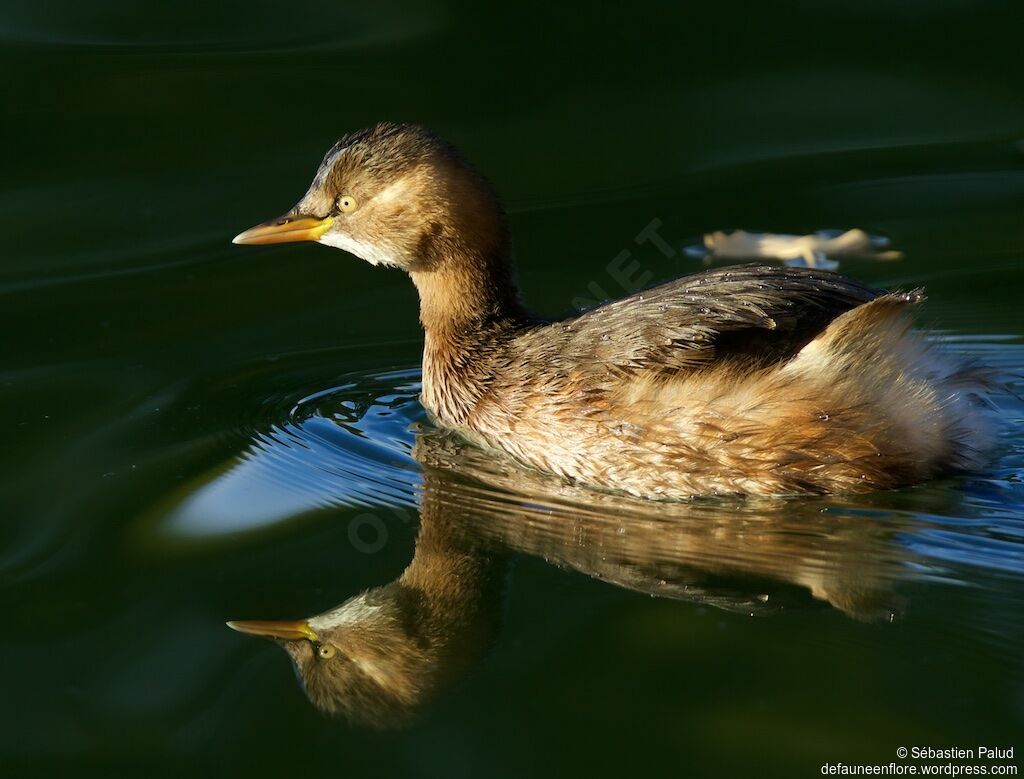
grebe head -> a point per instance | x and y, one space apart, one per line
394 195
362 659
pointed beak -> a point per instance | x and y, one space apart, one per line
284 629
286 229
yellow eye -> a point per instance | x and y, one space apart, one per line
347 204
326 651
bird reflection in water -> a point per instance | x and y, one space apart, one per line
380 656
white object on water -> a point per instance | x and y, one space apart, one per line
813 251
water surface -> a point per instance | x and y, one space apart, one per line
198 432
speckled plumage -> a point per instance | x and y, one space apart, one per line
749 380
742 380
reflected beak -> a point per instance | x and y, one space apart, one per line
290 631
286 229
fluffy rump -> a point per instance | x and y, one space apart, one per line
868 404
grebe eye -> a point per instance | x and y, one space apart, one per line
347 204
325 651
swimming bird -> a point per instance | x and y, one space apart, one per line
741 380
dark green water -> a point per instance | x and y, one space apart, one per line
197 432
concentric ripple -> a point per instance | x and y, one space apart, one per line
348 445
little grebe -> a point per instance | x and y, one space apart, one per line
742 380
